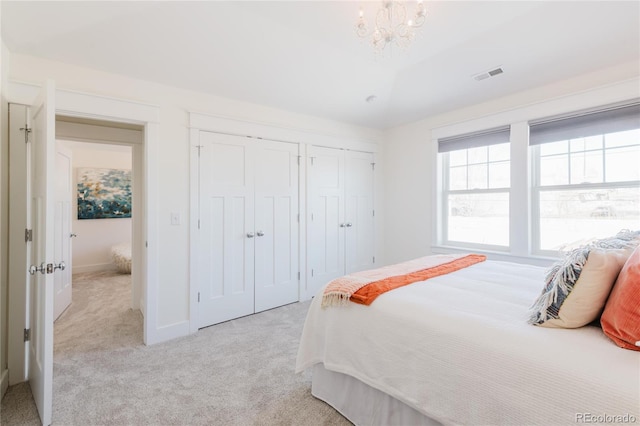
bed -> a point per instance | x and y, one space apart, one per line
457 349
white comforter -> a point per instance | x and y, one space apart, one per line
458 349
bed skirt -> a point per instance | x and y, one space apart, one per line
360 403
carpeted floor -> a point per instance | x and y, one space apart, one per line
236 373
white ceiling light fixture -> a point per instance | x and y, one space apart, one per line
392 25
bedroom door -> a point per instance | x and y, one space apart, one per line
62 230
340 215
41 192
248 231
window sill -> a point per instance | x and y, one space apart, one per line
496 255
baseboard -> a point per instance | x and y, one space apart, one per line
168 332
97 267
4 383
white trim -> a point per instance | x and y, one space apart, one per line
4 383
304 293
96 267
240 127
604 95
86 105
171 331
522 199
494 255
194 216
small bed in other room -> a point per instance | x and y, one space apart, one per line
457 349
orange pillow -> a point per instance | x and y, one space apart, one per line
621 317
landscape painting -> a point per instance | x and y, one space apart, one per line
104 193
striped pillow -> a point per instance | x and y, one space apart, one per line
577 286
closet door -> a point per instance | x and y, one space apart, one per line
276 224
325 216
359 213
225 259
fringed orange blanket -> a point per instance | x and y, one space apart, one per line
363 287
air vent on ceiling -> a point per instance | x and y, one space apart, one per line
487 74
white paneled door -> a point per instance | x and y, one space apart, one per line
41 283
340 214
247 258
62 230
276 224
359 211
325 216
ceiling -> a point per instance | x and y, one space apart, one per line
304 56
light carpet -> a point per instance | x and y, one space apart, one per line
237 373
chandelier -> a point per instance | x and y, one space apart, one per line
392 25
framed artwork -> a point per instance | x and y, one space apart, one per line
104 193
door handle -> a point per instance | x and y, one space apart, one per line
342 225
42 269
250 235
348 224
60 266
260 234
72 235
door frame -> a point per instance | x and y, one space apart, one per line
145 242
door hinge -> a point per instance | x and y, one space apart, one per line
27 130
198 297
27 334
298 275
373 166
146 244
374 259
198 223
299 157
374 213
312 158
199 148
312 272
298 217
28 235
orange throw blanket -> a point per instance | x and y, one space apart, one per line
363 287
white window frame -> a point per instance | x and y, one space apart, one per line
446 192
522 232
537 187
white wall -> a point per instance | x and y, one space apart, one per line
95 237
173 155
410 183
4 215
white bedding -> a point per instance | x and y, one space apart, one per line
457 348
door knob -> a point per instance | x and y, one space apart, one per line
348 225
260 234
250 235
42 269
72 235
342 225
60 266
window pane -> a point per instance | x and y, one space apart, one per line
458 178
499 175
554 170
500 152
458 158
571 218
630 137
478 176
586 167
576 145
593 142
479 218
478 155
622 164
553 148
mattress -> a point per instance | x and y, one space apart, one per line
457 349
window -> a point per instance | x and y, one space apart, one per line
476 181
586 180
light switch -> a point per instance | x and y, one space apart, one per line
175 218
